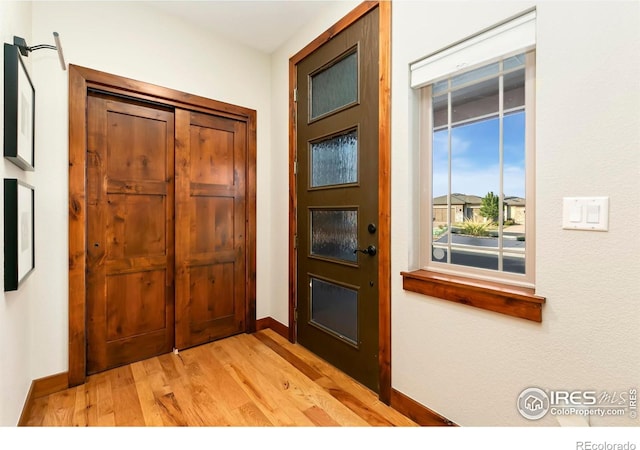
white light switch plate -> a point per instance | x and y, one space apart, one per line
585 213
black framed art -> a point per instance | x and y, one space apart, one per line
19 242
19 110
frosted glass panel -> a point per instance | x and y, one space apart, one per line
335 308
334 234
335 160
335 87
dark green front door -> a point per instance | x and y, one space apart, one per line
337 195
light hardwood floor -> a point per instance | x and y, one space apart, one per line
245 380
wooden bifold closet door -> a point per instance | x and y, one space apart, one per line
155 283
210 227
130 207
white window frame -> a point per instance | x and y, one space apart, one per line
509 38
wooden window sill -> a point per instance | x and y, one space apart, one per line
502 298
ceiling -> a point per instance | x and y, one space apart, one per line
260 24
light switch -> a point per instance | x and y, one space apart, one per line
575 213
593 213
585 213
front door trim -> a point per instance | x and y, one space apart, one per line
384 181
81 80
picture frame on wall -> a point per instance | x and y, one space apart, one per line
19 235
19 110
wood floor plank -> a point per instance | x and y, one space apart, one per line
210 391
38 412
256 380
273 401
61 407
353 403
80 409
357 396
252 416
298 363
217 380
169 408
303 390
203 404
89 394
49 419
170 365
125 395
320 418
364 400
150 409
104 400
191 413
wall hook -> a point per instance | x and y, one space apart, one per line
25 49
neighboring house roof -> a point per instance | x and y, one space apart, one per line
474 200
459 199
514 201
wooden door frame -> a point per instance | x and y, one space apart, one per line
384 181
81 80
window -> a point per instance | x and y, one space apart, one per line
476 159
477 167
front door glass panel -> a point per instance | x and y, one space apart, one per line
334 87
334 161
334 234
335 309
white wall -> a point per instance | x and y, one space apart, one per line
468 364
16 306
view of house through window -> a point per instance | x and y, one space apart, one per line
478 168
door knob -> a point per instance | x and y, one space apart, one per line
370 250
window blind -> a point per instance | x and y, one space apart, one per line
513 36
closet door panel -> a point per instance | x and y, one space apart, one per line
130 248
210 227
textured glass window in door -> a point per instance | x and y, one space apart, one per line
334 233
335 86
335 308
334 161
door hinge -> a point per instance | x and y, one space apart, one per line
295 314
295 95
295 167
295 241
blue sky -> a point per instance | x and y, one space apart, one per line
475 158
